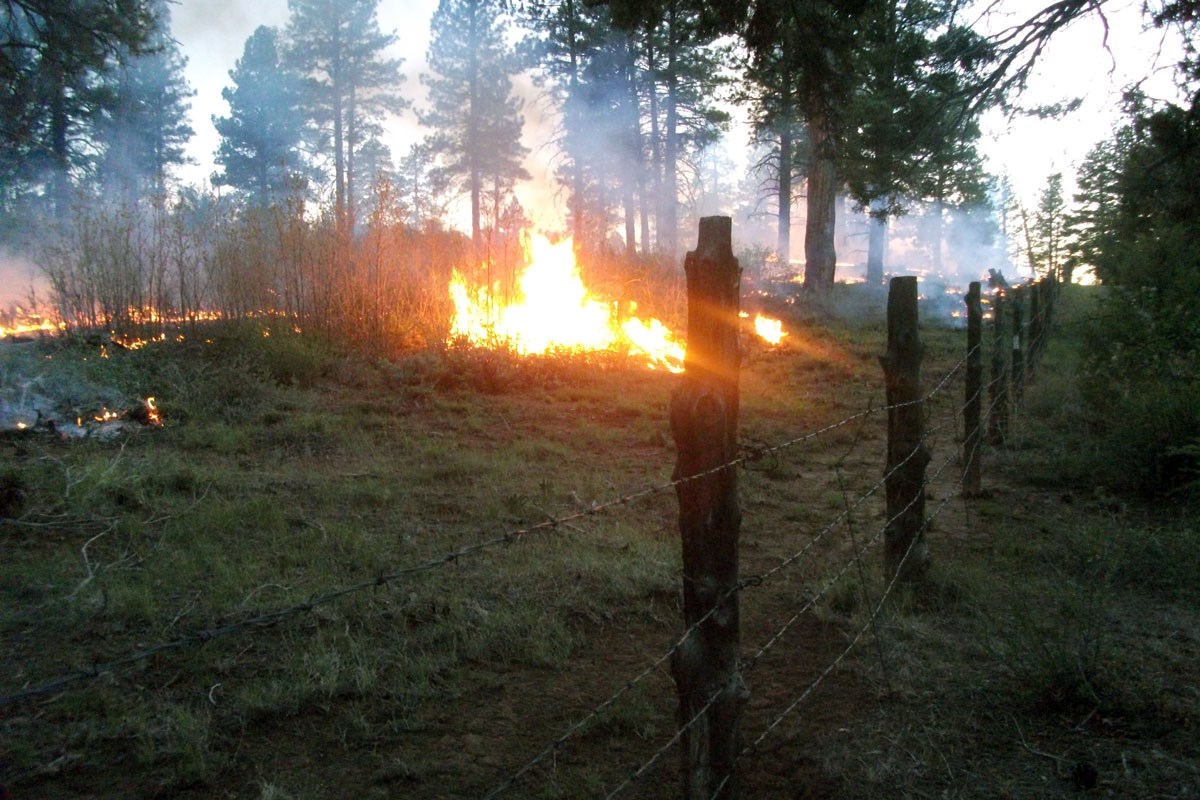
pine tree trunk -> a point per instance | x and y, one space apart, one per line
820 256
784 241
668 233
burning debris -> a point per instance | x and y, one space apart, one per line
38 414
64 405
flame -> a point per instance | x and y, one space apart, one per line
153 417
20 322
769 329
554 310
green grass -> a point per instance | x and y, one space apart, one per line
286 470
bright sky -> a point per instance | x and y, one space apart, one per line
1076 64
213 34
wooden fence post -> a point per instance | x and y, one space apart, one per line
704 417
998 396
905 553
972 410
1018 345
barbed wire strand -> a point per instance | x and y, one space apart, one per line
749 665
752 581
812 686
275 616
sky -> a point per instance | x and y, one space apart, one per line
1091 61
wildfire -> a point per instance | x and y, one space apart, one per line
23 323
554 310
770 330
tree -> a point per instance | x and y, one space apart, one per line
421 187
563 37
1089 223
475 119
822 38
910 127
145 129
52 53
374 175
1047 243
689 74
337 47
259 149
772 72
1144 349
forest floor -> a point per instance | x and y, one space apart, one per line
1052 650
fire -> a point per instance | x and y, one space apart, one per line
153 417
554 310
770 330
19 322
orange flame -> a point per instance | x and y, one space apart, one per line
554 310
153 417
771 330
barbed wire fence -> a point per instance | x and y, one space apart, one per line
750 454
973 441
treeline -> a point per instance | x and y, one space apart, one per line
148 268
875 101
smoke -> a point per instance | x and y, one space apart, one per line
21 284
540 196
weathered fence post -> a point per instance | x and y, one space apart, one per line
704 417
905 553
1018 345
998 396
972 410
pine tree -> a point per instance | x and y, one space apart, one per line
778 122
146 129
337 47
374 175
259 149
1090 222
563 38
475 121
52 54
422 190
1047 240
909 129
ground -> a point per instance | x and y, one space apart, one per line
1052 649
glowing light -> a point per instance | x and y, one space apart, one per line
770 330
153 417
555 311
